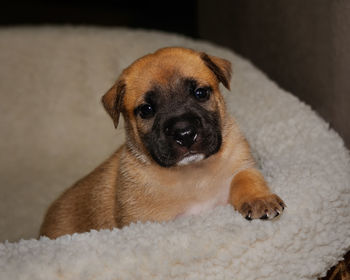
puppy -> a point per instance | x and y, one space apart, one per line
183 153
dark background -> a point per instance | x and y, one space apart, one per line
302 45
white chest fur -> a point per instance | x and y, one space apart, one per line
208 189
219 198
212 185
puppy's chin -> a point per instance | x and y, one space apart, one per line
191 158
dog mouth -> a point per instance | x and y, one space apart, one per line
190 158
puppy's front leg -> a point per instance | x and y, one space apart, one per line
251 196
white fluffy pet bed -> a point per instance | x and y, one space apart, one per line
54 130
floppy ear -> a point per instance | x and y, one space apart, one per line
113 99
221 68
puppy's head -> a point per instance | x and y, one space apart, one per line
171 104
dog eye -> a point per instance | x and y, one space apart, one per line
202 94
146 111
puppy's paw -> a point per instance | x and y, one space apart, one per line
265 208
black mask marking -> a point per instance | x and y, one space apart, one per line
182 125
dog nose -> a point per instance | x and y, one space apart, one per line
184 133
185 136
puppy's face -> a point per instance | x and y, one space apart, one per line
172 105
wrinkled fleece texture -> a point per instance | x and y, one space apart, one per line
54 130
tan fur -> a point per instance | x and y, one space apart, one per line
130 187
